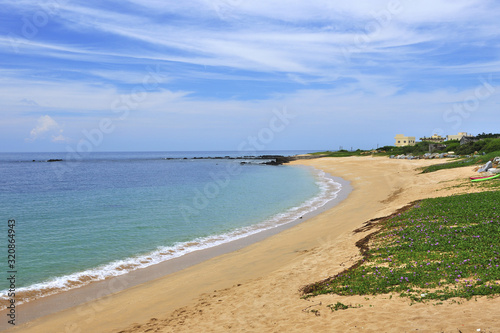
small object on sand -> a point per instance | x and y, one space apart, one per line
485 178
480 177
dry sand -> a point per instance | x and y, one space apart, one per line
256 289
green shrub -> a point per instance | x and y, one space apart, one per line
492 145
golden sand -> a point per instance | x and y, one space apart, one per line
256 289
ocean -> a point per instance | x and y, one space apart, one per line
106 214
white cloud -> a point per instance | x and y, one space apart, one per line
45 125
419 58
289 37
60 138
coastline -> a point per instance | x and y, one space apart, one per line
62 300
224 242
304 253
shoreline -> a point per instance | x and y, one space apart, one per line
215 245
304 253
64 299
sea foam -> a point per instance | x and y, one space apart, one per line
329 190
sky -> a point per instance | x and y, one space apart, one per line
151 75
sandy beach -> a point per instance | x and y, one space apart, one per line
256 288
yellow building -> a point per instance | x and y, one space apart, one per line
435 138
402 140
458 137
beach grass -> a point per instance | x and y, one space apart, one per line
340 153
439 249
462 162
490 185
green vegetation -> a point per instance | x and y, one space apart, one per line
340 306
489 135
481 159
451 165
342 153
419 148
439 249
486 145
489 185
489 146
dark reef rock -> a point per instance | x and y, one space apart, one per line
277 159
269 159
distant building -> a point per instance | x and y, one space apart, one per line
467 139
402 140
436 146
457 137
435 138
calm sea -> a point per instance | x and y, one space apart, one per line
110 213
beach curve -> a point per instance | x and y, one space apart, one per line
257 286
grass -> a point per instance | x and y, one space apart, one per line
493 184
440 249
456 163
341 153
450 165
340 306
462 162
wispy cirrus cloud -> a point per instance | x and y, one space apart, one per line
317 36
229 58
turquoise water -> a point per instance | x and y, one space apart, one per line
111 213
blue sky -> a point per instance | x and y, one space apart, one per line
151 75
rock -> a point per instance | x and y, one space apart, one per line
278 159
485 167
494 170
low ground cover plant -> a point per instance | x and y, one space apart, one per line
440 249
